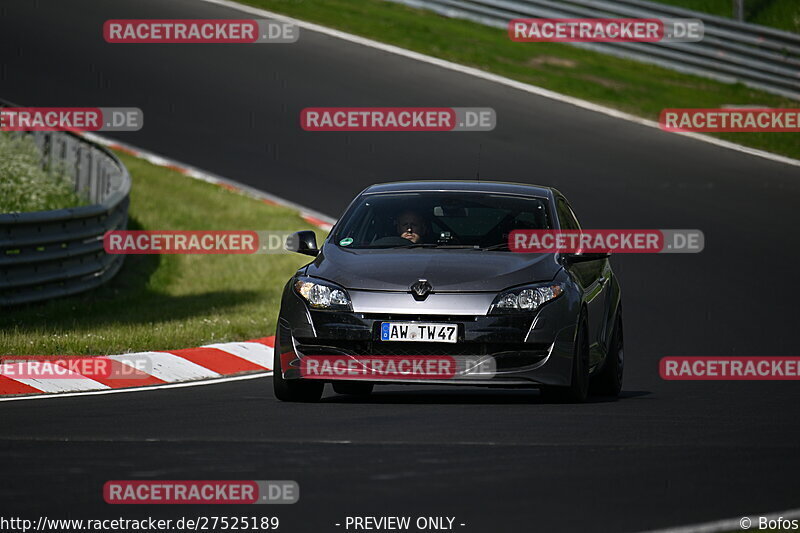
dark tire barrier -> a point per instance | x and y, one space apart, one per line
46 254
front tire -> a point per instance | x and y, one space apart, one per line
578 389
292 390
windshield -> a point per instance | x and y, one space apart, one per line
439 220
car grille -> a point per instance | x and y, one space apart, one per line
426 318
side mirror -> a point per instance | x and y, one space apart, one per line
303 242
582 258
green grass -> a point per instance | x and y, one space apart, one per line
781 14
637 88
168 301
24 185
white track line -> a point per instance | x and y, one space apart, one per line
730 524
165 366
139 389
539 91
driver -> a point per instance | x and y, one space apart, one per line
411 225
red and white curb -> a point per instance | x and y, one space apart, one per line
206 362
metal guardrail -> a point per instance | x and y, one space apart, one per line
45 254
731 51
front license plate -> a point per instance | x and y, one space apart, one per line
418 332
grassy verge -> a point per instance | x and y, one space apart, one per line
168 301
634 87
781 14
24 185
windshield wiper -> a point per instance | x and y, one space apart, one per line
431 245
499 246
438 245
410 245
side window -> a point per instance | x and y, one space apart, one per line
565 215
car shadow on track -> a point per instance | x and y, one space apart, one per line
471 396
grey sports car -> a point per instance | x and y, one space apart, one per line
416 283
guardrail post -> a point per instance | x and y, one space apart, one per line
738 10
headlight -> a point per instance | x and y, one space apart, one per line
524 299
322 294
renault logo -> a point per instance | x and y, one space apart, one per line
421 289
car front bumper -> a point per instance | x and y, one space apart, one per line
512 350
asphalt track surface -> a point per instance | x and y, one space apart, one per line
665 453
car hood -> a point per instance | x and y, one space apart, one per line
447 270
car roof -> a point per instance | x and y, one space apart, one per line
463 185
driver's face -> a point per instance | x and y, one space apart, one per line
410 226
